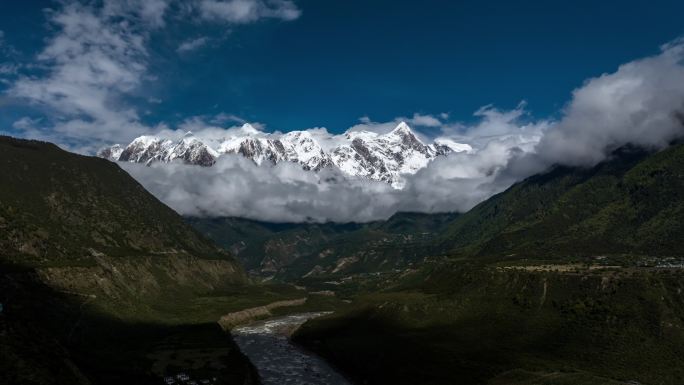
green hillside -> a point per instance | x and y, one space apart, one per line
569 277
290 251
631 204
61 207
96 275
477 324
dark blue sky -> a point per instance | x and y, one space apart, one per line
341 60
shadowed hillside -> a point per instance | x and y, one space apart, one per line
97 275
472 324
569 277
291 251
57 207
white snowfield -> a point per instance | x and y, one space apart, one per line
361 154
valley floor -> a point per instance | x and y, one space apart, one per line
519 324
50 336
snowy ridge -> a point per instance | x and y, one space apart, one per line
361 154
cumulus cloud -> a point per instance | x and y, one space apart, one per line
417 120
495 124
192 44
366 124
8 69
92 61
223 118
25 123
211 127
97 58
641 104
424 120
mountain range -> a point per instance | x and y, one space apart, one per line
570 276
359 154
630 205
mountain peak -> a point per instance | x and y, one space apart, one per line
249 129
189 134
145 140
384 157
402 127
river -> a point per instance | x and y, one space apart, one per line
280 362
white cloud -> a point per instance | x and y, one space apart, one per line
641 104
96 59
25 123
235 186
210 129
378 127
192 44
424 121
497 124
223 118
92 61
98 56
8 69
247 11
417 120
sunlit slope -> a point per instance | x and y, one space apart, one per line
631 204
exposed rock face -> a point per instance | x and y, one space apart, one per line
361 154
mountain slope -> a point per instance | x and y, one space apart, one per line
56 205
473 324
517 299
293 250
94 271
632 204
359 154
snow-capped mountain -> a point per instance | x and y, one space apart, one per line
146 149
363 154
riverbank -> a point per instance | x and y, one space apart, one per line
480 325
279 361
233 319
